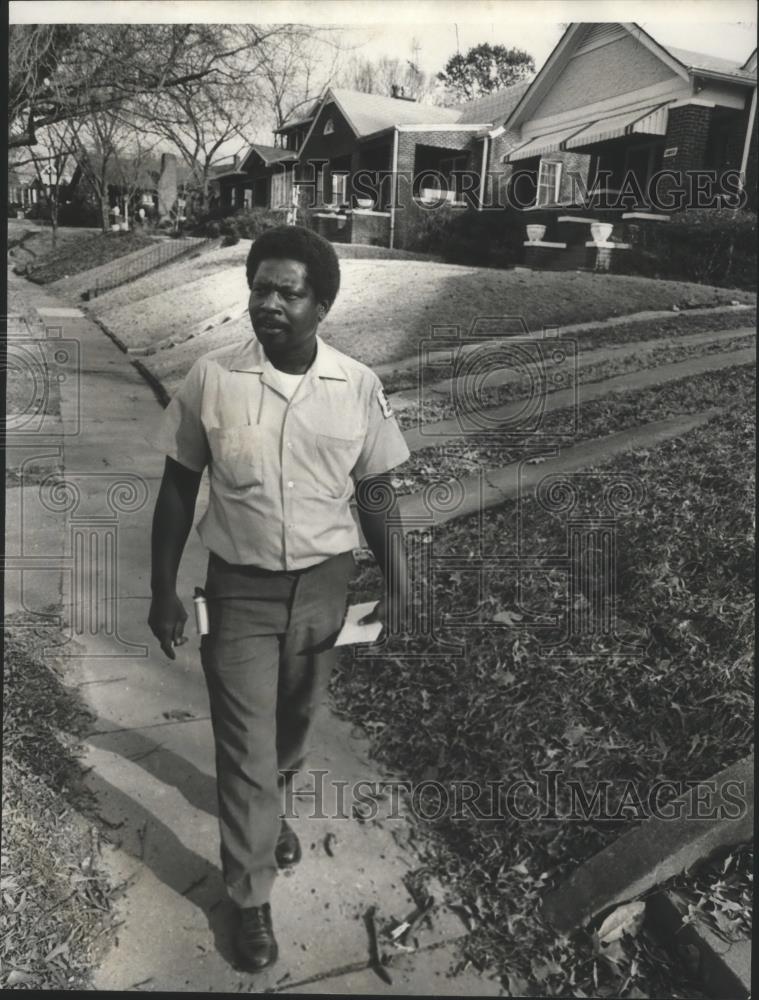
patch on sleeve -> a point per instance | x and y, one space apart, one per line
384 404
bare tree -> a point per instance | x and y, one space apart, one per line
63 72
293 71
198 118
381 76
55 167
100 137
130 168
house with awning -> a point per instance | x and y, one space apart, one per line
617 127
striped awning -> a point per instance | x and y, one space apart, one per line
542 144
647 121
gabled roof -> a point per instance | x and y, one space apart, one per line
682 62
368 113
303 119
269 154
493 107
699 62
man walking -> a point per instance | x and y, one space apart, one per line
286 426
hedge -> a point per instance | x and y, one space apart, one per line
713 246
466 236
245 225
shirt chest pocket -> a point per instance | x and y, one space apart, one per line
237 455
336 454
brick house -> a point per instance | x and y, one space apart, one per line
261 178
607 114
371 166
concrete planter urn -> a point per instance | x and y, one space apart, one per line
365 202
601 231
535 233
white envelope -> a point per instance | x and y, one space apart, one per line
352 632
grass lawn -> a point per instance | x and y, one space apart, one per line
508 710
385 308
56 899
28 241
76 254
432 409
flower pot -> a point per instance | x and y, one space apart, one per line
601 231
535 233
364 202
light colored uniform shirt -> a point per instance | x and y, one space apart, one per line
281 470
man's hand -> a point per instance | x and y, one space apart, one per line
167 620
393 609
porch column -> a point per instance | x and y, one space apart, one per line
685 148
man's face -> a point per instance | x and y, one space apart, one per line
283 308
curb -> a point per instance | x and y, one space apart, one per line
722 967
412 360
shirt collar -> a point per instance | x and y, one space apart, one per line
251 358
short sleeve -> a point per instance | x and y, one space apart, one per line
384 446
180 433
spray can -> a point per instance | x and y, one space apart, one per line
201 611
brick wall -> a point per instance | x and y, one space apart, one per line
617 68
409 214
688 129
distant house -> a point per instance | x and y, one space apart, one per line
261 178
27 192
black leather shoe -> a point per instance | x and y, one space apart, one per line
287 852
255 943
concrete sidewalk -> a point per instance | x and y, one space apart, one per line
151 750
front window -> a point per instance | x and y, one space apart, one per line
453 170
329 127
549 179
247 198
281 189
339 188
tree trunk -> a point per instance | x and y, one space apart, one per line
104 213
54 221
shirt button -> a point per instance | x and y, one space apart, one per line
289 444
290 483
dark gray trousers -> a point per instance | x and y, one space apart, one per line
267 661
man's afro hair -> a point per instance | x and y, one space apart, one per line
299 243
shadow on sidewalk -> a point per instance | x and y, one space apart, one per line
162 763
139 833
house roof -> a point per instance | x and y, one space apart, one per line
493 107
369 113
683 62
302 119
713 64
270 154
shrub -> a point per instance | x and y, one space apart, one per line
231 233
247 225
713 246
491 238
